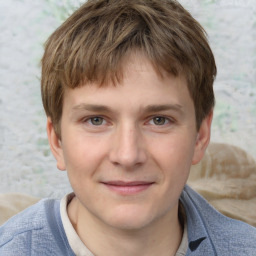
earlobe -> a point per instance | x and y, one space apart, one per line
55 145
203 139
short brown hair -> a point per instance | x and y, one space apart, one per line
92 43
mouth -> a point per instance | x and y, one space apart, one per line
128 188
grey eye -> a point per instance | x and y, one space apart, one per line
97 120
159 120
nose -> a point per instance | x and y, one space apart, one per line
128 149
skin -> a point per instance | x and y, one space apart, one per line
128 150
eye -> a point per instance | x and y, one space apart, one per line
97 120
159 120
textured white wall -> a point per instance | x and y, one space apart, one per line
26 164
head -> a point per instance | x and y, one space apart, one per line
127 88
93 44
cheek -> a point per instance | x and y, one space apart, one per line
174 157
82 156
173 150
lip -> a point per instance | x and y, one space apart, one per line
128 188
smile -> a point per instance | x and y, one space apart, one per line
128 188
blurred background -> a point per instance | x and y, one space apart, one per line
26 164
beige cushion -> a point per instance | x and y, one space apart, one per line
226 177
11 204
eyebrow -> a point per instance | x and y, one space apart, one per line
164 107
147 109
91 107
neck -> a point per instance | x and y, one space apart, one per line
162 237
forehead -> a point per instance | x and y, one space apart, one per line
135 67
141 87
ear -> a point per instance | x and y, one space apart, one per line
55 144
203 139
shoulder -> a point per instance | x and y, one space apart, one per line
226 235
33 224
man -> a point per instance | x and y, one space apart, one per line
127 89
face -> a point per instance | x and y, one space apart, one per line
128 148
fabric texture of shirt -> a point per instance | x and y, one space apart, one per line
39 231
